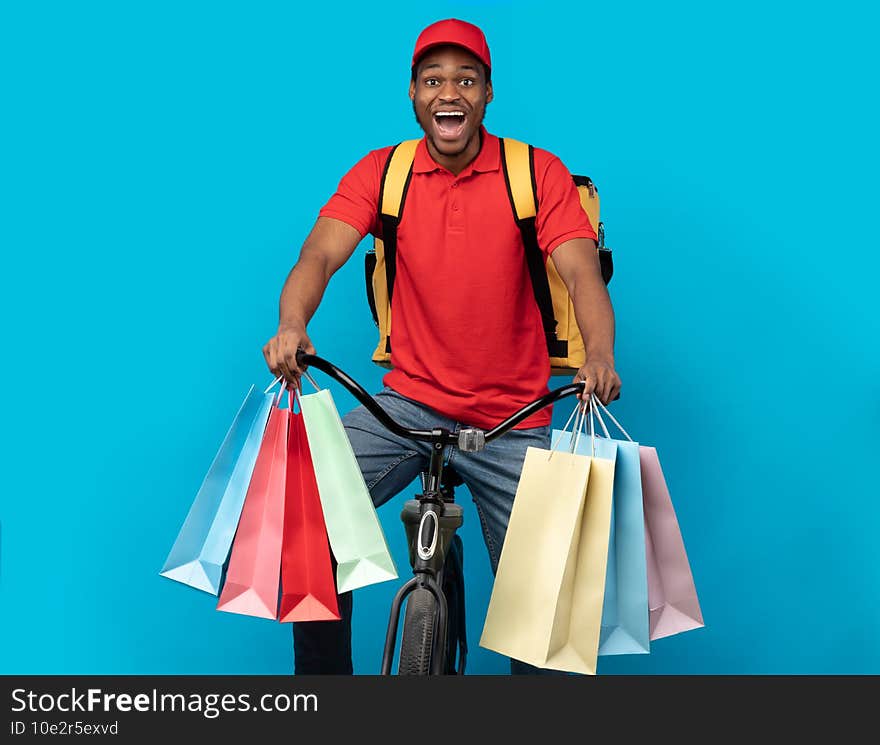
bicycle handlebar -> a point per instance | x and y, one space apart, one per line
304 360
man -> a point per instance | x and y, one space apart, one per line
469 348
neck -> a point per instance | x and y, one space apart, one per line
457 163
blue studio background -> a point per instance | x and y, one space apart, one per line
163 162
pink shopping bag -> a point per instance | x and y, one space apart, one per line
672 596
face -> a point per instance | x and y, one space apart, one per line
449 96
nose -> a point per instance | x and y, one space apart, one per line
449 91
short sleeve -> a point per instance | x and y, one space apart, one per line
356 200
560 214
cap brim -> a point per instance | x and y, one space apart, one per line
435 44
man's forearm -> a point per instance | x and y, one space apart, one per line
595 318
303 290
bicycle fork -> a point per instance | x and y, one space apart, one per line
430 525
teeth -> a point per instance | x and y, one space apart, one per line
449 113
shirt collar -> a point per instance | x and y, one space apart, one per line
488 159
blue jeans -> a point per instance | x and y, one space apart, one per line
389 464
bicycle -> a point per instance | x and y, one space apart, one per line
433 640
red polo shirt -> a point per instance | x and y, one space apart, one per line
466 335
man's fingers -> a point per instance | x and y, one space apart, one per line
296 364
600 381
615 392
589 387
290 360
269 353
302 366
285 368
608 390
599 389
280 355
603 383
295 368
285 372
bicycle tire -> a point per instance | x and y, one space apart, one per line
418 633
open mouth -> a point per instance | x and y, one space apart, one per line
449 124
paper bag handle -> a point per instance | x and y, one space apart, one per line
598 404
579 414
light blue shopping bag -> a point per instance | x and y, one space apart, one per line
204 541
625 627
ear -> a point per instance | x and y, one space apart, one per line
489 94
412 90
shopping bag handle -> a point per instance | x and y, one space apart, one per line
281 378
597 404
579 415
579 427
563 431
595 412
293 394
276 397
274 383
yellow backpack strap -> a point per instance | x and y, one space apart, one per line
395 180
519 173
518 164
392 195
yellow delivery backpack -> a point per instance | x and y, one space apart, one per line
565 346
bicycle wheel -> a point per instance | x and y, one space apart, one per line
418 633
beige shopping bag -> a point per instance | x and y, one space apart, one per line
546 603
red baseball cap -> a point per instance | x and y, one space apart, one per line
453 31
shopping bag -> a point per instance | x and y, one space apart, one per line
202 545
625 607
546 603
252 576
308 587
353 527
672 596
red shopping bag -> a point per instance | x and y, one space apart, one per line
307 582
252 576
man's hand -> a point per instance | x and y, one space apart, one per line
600 378
280 353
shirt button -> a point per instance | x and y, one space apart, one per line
455 185
455 207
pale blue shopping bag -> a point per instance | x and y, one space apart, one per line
625 626
204 541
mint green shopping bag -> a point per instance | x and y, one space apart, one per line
353 527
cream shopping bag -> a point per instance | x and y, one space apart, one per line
546 603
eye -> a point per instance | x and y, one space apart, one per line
432 82
468 82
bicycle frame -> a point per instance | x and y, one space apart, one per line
430 523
